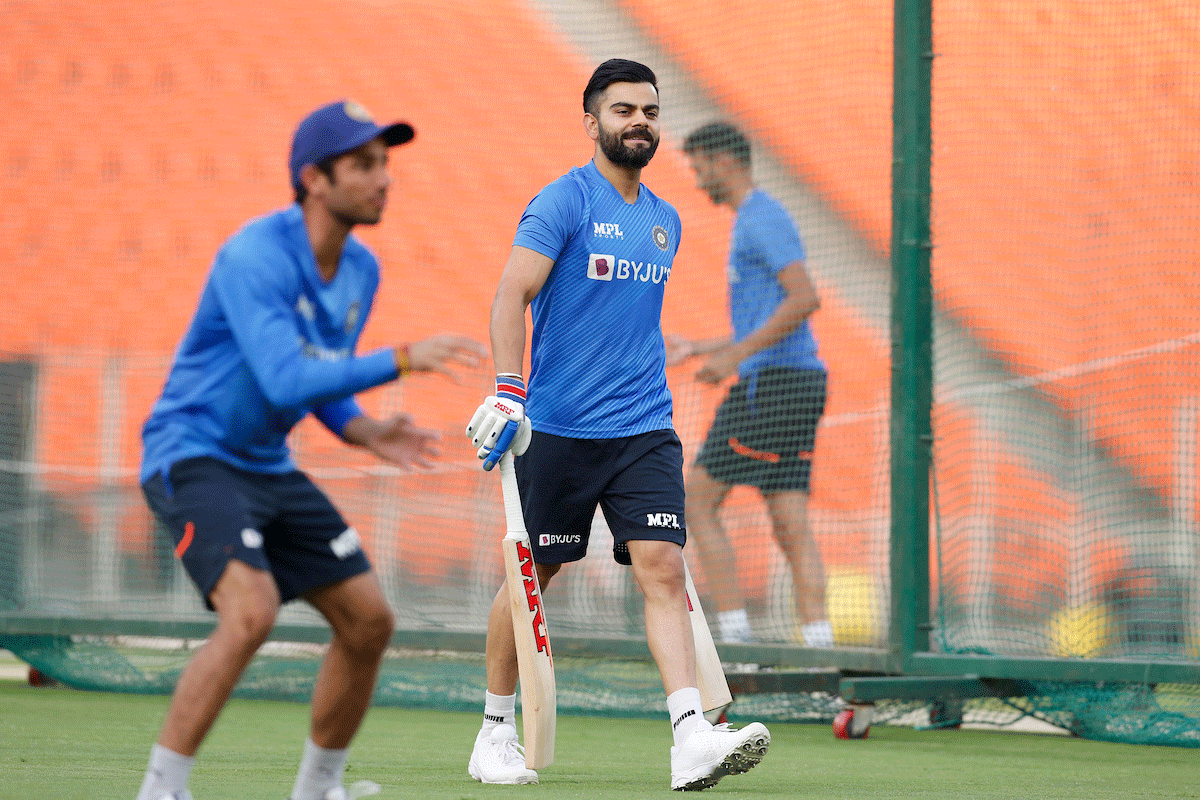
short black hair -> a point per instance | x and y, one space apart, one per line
719 137
615 70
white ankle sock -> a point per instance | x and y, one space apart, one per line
734 625
497 710
320 770
683 706
167 771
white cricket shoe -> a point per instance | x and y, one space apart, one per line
184 795
712 753
498 758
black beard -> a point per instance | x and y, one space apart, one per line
614 148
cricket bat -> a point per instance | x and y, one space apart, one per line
710 675
535 664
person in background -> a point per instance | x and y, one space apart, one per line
764 431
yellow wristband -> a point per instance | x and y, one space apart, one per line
403 361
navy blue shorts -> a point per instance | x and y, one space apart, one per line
636 480
279 523
765 430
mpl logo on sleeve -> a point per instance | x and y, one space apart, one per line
601 266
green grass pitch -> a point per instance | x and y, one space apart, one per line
61 744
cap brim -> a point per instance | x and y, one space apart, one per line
398 133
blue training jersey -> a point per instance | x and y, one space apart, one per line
764 240
598 360
270 341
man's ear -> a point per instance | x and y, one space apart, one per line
591 126
312 177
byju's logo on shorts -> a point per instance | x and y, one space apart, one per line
602 266
251 538
345 544
547 539
662 521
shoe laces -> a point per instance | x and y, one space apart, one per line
510 751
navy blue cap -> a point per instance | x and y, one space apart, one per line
339 128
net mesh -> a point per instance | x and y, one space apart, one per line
1065 342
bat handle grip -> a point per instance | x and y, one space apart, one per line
512 497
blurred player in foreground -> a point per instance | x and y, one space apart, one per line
273 339
592 254
764 431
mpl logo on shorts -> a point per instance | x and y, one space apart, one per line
345 544
601 266
662 521
547 539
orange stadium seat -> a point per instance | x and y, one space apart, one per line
150 159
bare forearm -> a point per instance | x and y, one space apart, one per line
787 317
508 332
702 347
361 430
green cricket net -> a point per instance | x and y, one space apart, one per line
1066 346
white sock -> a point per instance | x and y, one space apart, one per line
167 772
817 634
734 625
683 706
320 770
497 710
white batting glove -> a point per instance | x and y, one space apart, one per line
500 423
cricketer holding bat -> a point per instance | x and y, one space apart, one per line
592 255
273 340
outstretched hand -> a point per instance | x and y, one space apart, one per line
445 351
679 348
398 440
718 366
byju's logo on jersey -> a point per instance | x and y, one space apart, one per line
607 230
602 266
607 267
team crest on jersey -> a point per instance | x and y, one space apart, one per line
661 239
352 317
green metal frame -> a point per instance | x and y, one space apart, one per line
926 673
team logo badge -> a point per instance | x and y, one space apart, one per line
352 317
357 111
660 237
